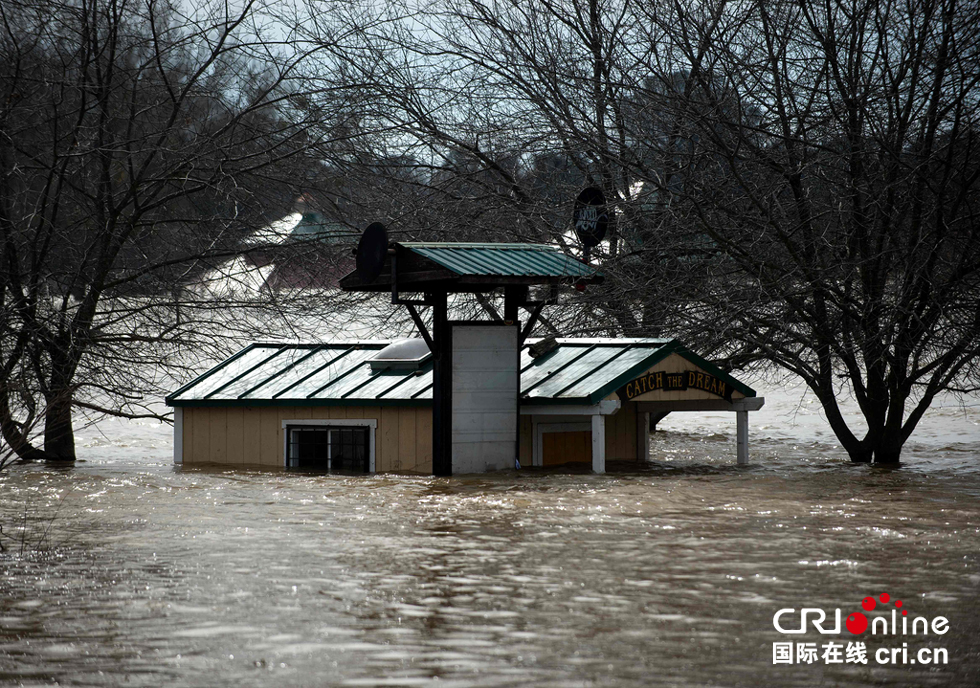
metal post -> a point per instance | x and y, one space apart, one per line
598 443
442 386
513 298
742 437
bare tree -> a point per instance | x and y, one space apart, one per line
507 111
840 192
793 184
141 143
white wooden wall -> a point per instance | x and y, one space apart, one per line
485 386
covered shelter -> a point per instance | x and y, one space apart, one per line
476 379
367 406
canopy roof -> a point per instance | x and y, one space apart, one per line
577 371
422 266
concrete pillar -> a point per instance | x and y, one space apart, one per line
598 443
742 437
642 436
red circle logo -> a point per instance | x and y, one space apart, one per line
857 623
868 603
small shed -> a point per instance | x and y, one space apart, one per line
367 406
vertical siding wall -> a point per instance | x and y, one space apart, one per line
620 433
253 436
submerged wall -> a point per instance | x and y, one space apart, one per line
575 445
253 435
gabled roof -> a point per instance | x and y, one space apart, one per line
473 267
586 371
577 371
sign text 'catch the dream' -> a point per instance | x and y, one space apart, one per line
675 382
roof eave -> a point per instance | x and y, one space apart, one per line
211 403
557 401
448 281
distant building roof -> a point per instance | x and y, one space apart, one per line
313 225
577 371
299 227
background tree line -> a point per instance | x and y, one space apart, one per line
793 184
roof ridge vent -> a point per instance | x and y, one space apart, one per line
402 354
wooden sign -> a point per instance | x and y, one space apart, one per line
675 382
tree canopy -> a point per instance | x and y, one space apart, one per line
139 144
793 184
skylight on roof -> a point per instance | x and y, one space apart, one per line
404 354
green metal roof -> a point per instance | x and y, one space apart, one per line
503 260
467 267
578 371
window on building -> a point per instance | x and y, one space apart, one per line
320 448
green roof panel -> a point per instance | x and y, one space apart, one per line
592 360
613 368
351 386
332 380
315 360
285 359
242 363
502 260
581 371
416 386
548 365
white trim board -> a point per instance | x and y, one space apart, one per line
178 435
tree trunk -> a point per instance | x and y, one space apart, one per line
15 434
889 456
890 438
860 454
889 449
859 451
59 436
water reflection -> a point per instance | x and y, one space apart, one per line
669 575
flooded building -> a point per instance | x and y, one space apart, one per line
367 406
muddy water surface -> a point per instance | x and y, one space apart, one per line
135 573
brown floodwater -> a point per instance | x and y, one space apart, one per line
127 571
